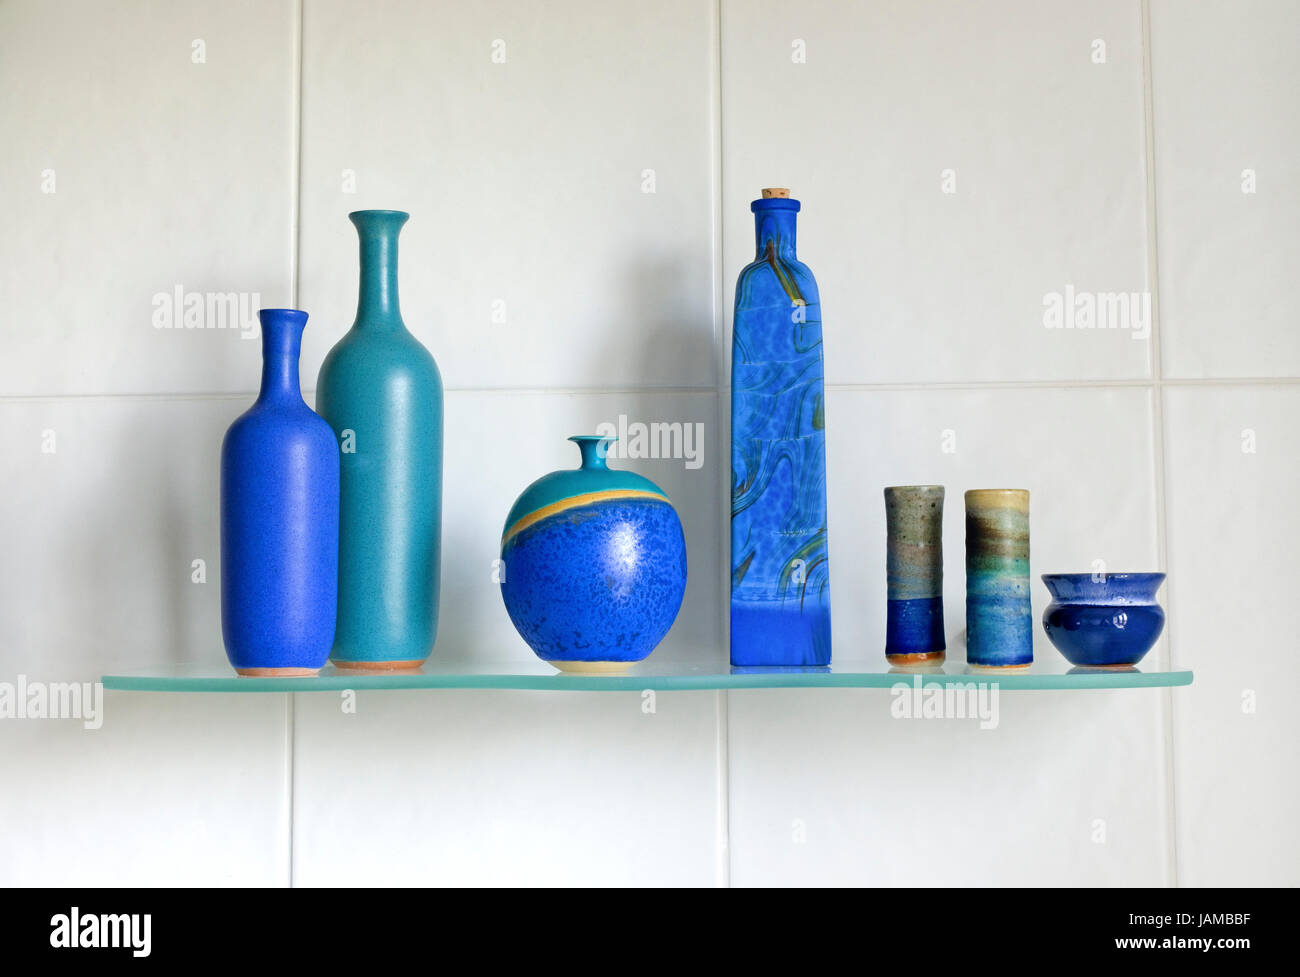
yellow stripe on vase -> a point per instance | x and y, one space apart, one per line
574 502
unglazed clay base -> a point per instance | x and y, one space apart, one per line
593 668
398 666
277 672
919 658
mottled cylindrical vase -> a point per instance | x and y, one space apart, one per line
999 629
914 574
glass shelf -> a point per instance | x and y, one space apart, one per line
665 675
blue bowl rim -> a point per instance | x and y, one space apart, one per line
1144 576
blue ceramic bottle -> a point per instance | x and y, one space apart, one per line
780 581
594 564
381 393
279 519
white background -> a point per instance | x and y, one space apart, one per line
525 180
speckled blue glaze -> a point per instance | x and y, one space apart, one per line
593 580
998 626
780 574
914 627
1103 620
279 518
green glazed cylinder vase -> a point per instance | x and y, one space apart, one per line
381 392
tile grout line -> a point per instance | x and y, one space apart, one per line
295 194
291 712
722 749
1158 423
722 743
957 385
290 737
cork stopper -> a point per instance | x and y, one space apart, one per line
770 192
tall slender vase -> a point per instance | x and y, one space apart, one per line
914 575
780 580
279 519
999 629
381 393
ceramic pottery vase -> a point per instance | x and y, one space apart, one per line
594 565
1103 620
914 575
780 577
381 392
999 630
279 519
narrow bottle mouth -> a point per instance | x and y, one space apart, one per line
594 448
382 221
270 315
774 203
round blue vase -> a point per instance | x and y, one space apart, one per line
1108 620
279 519
594 564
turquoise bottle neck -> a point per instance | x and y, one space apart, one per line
593 449
775 224
281 348
377 302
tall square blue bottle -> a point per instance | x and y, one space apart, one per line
780 577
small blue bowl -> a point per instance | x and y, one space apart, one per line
1103 620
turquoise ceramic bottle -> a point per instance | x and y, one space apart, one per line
380 391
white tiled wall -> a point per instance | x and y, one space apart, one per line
1231 466
578 175
523 178
1224 78
895 99
129 170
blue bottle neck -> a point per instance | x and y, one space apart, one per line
774 233
377 302
281 348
